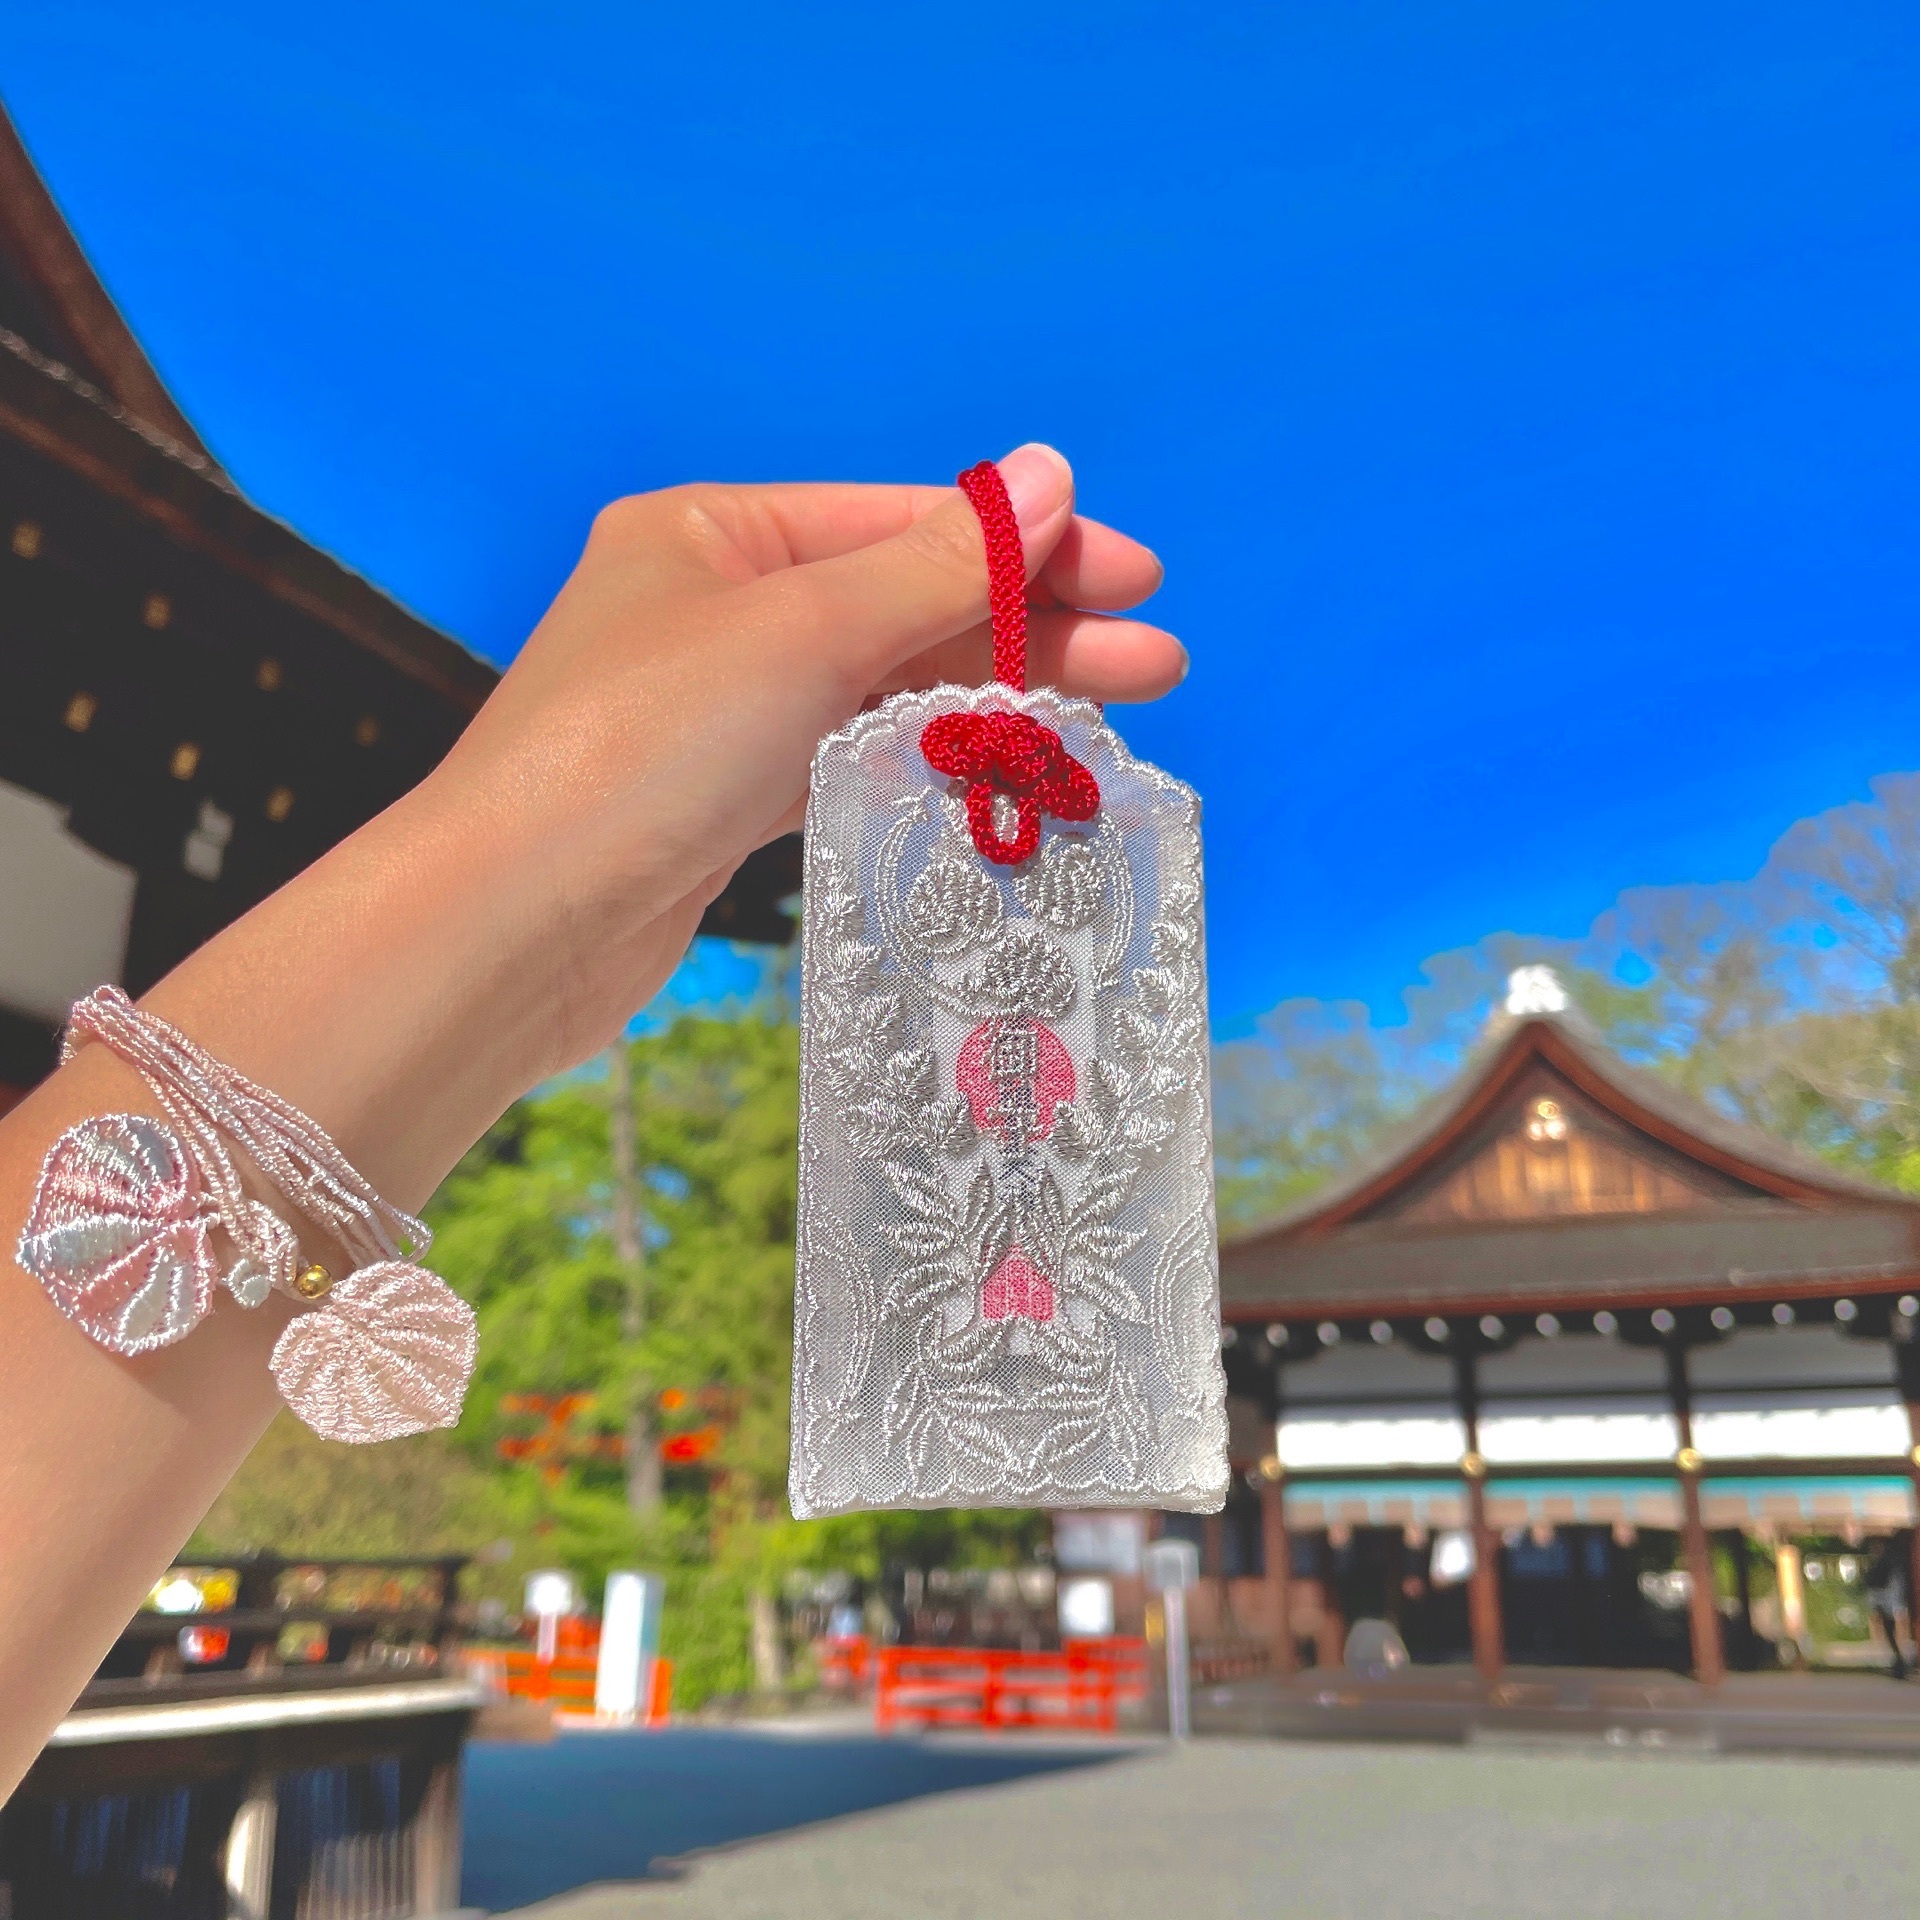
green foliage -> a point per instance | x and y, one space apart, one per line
297 1491
1789 1002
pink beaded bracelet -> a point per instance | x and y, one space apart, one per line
134 1221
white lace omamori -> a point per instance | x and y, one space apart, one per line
1007 1285
134 1221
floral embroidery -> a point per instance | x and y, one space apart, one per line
1009 1295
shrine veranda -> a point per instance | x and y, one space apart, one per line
1568 1314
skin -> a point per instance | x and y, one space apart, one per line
498 924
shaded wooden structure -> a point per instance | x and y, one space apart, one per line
1565 1303
194 701
270 1738
194 704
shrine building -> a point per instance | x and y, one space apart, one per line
194 701
1510 1384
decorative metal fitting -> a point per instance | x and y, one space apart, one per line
313 1282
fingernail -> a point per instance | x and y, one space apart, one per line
1038 481
1186 662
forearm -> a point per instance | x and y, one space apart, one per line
499 923
382 993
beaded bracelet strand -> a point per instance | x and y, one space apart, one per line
134 1221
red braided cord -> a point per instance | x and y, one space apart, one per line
1008 755
1006 571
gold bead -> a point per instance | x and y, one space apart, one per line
1270 1467
1688 1460
1473 1465
311 1283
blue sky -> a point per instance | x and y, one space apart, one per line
1524 397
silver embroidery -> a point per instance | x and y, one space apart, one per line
1007 1283
1062 884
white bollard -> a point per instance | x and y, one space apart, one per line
1172 1567
629 1645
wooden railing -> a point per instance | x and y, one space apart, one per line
1079 1689
267 1621
843 1661
566 1682
1221 1660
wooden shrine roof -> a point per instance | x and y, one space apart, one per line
166 646
1552 1173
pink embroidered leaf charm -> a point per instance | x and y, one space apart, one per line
388 1352
117 1233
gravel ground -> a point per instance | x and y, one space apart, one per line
1226 1828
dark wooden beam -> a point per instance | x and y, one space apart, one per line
48 261
1483 1588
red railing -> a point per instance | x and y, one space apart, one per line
1079 1689
844 1662
566 1683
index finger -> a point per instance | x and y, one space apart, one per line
1093 566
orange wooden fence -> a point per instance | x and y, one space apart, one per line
565 1682
1078 1689
844 1661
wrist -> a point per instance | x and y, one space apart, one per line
389 991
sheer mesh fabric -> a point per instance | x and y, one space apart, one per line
1007 1286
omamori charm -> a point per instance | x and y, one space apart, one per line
1007 1276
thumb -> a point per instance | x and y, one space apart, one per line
880 605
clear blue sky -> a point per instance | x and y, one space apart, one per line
1524 396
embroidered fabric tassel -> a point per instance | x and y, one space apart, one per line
129 1213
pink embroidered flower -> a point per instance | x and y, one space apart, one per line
117 1233
1017 1287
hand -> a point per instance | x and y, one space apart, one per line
661 720
505 919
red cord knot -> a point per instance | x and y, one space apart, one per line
1011 754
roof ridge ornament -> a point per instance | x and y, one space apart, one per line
1535 989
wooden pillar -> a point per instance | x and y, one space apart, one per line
1906 1367
1277 1551
247 1860
1483 1589
436 1840
1213 1565
1703 1617
1330 1641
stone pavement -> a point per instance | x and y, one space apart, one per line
1228 1828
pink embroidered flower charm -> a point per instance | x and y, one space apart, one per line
1016 1287
388 1352
117 1233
